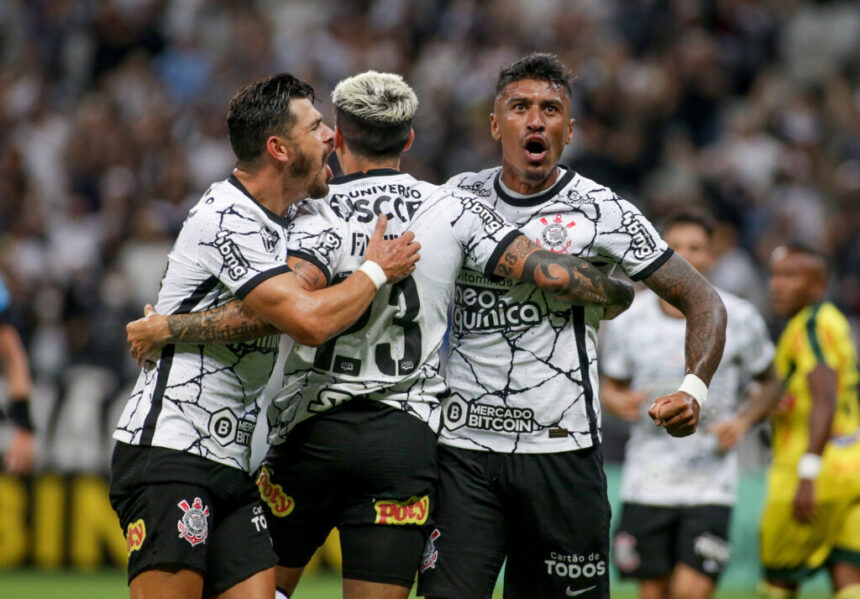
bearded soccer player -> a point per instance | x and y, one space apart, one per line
354 429
521 471
811 516
678 493
179 474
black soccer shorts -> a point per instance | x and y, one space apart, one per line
368 469
548 514
650 540
180 511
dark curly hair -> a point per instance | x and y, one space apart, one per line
542 66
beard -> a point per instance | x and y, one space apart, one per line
301 167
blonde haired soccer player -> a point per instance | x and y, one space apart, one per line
812 511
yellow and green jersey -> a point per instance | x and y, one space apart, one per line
817 334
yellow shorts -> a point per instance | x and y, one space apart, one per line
790 550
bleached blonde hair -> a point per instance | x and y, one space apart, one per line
379 97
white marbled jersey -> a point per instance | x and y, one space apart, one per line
523 365
203 399
391 354
645 346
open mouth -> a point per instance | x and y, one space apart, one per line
535 148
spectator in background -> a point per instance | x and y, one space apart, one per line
659 85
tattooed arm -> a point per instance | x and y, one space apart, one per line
567 277
682 286
229 323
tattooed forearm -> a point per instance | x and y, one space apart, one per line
229 323
567 277
574 279
682 286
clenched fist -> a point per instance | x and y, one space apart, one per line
677 412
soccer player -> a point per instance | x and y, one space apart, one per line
179 482
20 455
354 429
811 516
521 473
678 493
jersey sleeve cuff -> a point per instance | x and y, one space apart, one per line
309 257
657 263
505 242
250 284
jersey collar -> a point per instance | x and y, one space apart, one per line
374 172
238 185
539 198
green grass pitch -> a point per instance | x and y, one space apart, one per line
110 584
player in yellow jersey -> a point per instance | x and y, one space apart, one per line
812 511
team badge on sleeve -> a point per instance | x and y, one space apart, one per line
194 524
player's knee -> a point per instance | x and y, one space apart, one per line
852 591
771 591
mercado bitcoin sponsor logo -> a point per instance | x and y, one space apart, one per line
135 534
412 511
459 413
482 309
273 494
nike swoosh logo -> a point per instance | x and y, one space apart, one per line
570 593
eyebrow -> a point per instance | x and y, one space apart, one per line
544 102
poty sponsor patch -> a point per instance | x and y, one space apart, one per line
412 511
273 494
135 535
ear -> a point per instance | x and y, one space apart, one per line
338 138
569 135
278 149
494 127
411 139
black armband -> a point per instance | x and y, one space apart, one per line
19 413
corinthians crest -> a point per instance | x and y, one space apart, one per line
194 525
554 236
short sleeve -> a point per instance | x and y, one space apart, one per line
239 249
615 361
482 232
317 235
756 351
625 235
829 337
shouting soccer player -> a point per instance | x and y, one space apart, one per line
521 471
354 429
811 516
678 493
179 482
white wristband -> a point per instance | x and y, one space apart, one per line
695 387
375 272
809 466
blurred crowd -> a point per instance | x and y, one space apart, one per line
112 125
